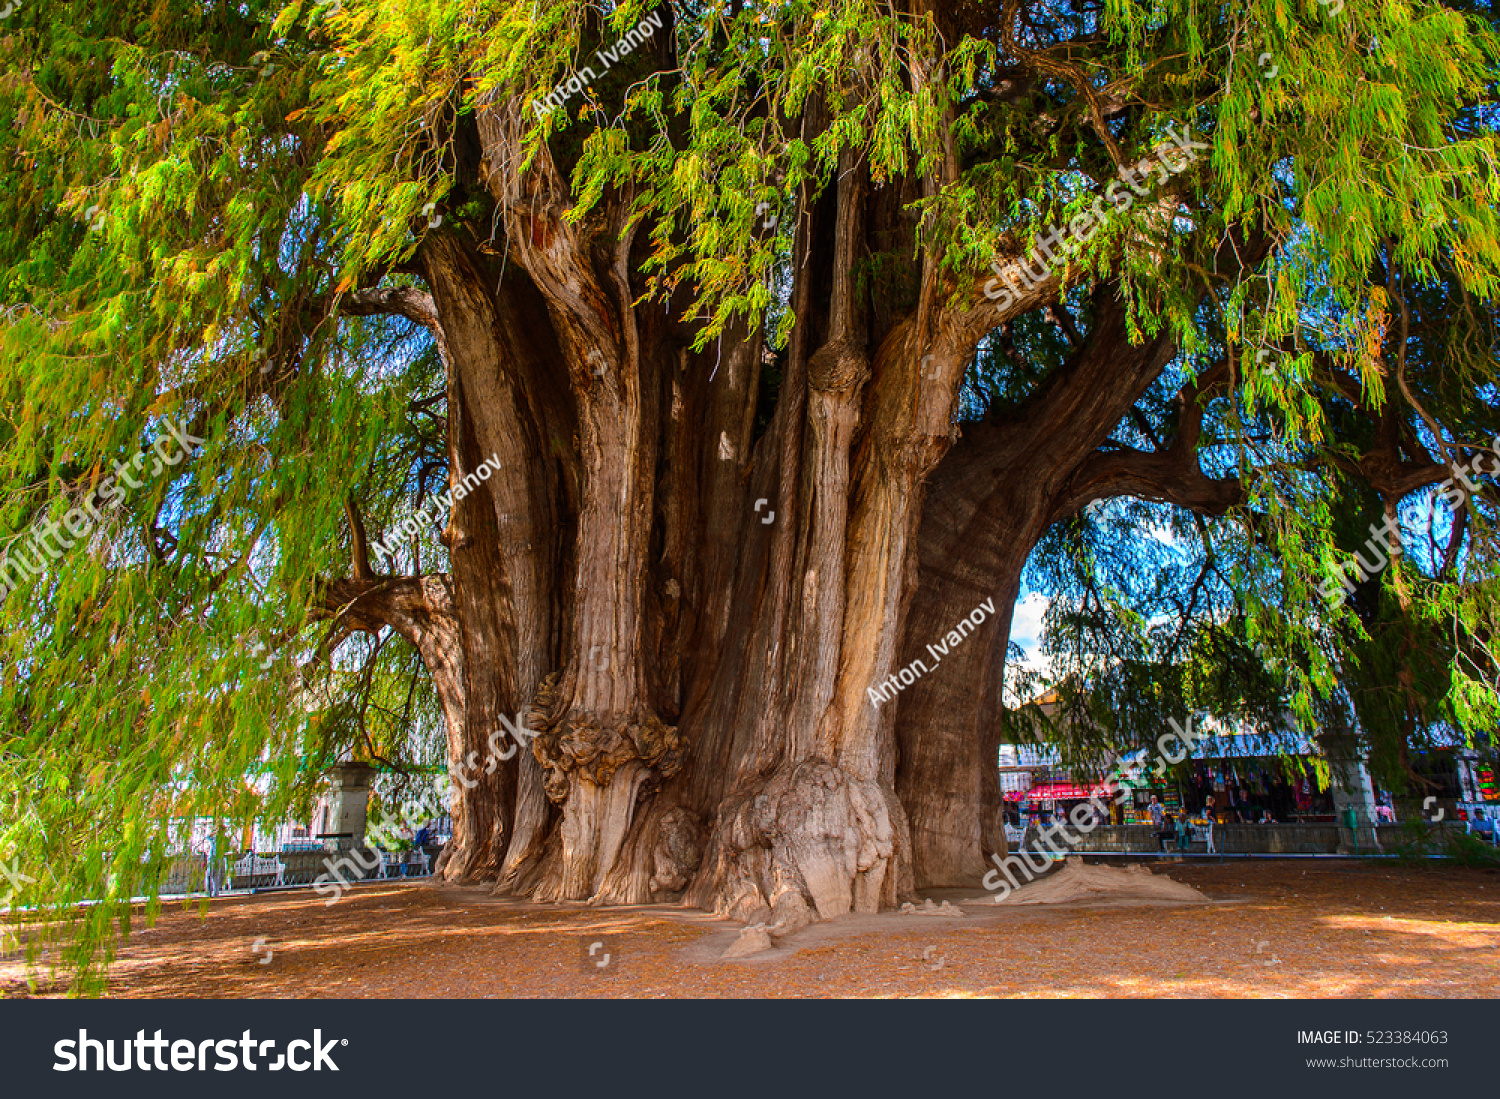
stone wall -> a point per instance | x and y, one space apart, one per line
1229 839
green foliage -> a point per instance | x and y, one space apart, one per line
170 655
1363 143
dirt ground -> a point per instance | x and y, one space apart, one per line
1270 929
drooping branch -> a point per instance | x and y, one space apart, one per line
421 609
1397 463
1044 62
1170 477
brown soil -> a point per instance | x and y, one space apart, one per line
1286 929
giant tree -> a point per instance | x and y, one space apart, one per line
788 333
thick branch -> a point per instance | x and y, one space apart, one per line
399 301
359 540
1171 477
409 605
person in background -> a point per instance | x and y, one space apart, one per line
1184 832
1209 815
1157 814
1266 817
1165 832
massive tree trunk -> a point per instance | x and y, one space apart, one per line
700 625
994 496
697 622
990 502
691 617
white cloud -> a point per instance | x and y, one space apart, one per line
1026 629
1162 532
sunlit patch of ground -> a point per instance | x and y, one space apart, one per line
1284 929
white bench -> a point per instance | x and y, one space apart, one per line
253 866
390 864
417 858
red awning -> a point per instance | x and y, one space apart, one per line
1064 791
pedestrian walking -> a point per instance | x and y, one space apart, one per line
1209 815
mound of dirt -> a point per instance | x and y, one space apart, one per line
947 910
1075 882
